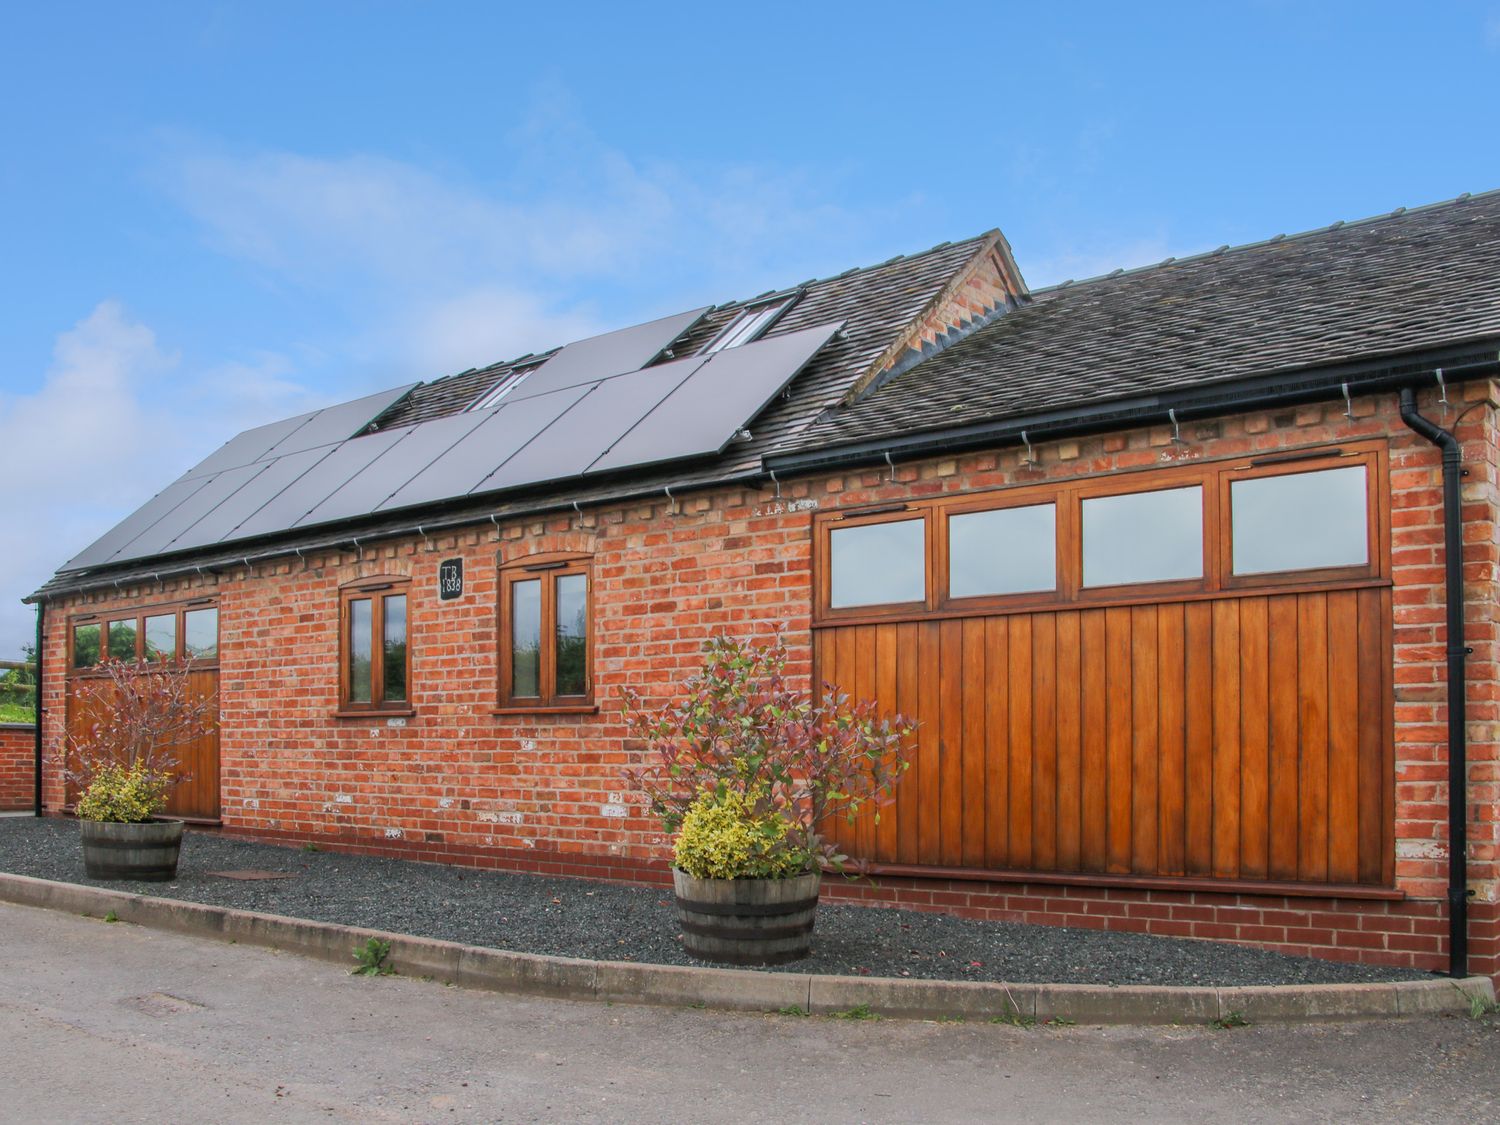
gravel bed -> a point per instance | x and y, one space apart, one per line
613 922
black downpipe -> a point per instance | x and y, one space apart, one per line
1458 797
41 612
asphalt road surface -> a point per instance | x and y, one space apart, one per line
110 1022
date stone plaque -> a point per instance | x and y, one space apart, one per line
450 579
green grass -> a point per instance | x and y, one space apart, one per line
15 713
858 1012
1232 1020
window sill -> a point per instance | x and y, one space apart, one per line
550 709
382 713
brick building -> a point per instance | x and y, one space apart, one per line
1159 560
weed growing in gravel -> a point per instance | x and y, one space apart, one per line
1060 1021
1232 1019
1014 1018
111 917
371 957
1479 1007
792 1010
858 1012
310 847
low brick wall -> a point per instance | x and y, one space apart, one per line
17 766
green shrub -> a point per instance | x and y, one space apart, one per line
124 795
744 724
728 835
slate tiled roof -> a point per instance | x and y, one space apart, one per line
875 303
1412 279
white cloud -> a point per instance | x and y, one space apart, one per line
451 274
409 272
114 419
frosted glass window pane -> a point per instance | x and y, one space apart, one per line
526 638
1009 551
878 564
1300 521
1143 537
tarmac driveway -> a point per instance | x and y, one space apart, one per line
113 1022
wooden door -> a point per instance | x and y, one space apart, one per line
1234 738
196 798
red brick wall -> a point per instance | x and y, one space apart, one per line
544 792
17 767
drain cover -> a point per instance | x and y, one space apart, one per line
248 876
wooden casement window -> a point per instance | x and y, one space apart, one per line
374 660
181 631
1307 518
546 634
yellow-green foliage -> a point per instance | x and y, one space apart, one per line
723 837
124 795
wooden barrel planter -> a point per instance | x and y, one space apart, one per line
145 852
747 921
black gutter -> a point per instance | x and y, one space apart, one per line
41 612
1286 389
1458 800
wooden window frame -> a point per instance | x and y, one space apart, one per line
138 614
1376 517
547 568
1213 477
375 590
906 513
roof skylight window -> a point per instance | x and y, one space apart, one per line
506 383
751 324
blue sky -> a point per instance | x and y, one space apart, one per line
218 214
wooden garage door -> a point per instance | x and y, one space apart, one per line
186 631
1243 737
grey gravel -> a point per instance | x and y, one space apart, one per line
615 922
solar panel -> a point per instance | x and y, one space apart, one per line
629 349
336 469
248 447
483 450
277 475
158 538
724 395
318 427
103 549
594 423
383 477
339 423
568 418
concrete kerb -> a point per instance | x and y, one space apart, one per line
747 990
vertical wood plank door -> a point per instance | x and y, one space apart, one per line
1244 738
197 797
